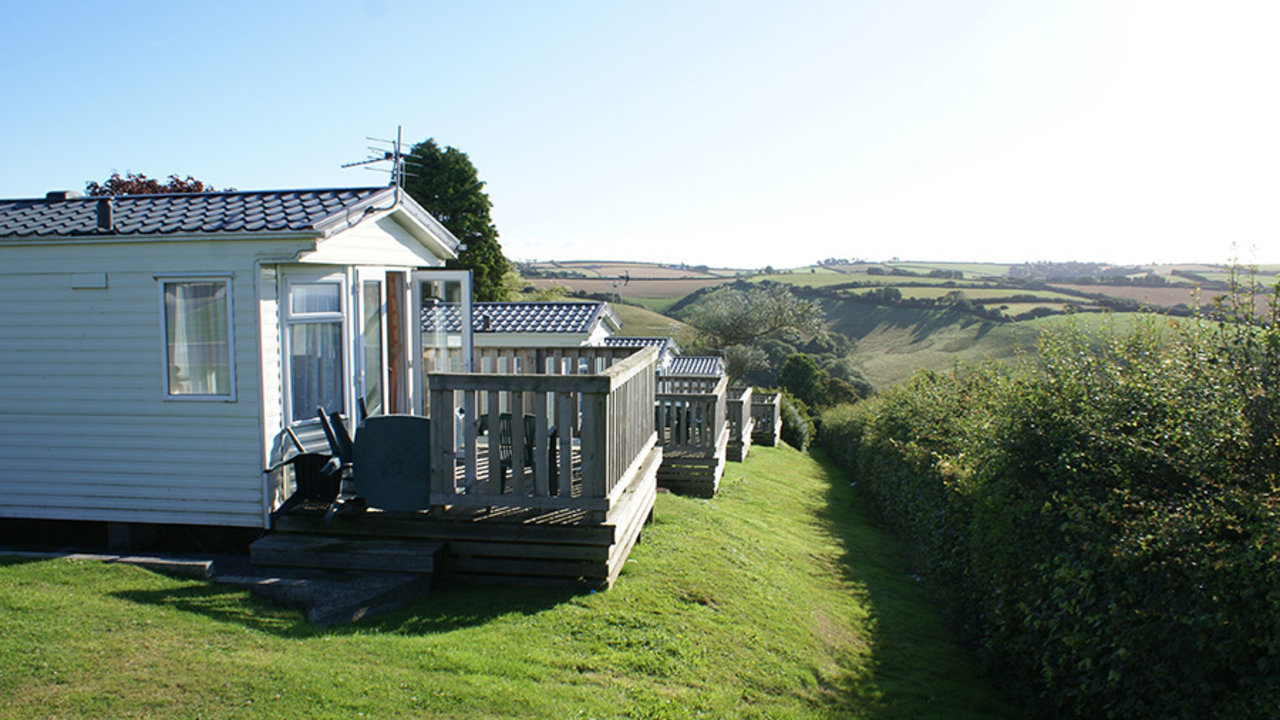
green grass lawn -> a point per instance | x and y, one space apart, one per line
653 305
639 321
780 598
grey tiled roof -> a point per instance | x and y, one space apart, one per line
513 317
664 344
199 213
696 365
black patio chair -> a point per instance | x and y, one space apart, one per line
506 441
342 464
311 481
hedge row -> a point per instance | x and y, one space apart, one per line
1103 516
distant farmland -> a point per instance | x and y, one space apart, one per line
637 287
1156 296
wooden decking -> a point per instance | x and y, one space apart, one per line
578 479
509 544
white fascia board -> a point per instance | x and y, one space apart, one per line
29 240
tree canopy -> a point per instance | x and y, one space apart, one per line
446 184
733 316
140 184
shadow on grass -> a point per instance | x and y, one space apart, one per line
918 664
858 320
16 560
440 611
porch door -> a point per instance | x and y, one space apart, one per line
441 335
373 333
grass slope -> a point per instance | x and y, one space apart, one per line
896 342
779 598
640 321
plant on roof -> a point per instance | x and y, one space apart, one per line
140 184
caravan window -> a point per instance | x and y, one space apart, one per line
314 333
197 338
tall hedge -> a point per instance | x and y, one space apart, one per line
1103 516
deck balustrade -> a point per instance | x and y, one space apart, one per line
592 404
693 428
766 415
691 421
688 384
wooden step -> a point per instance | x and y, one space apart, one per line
344 553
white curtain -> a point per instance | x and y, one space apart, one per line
316 368
196 332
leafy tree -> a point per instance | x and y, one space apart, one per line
742 360
446 183
801 376
139 184
777 351
737 317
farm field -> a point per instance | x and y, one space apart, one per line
981 293
866 279
970 270
781 598
804 278
1158 296
606 268
639 288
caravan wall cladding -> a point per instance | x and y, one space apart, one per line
94 425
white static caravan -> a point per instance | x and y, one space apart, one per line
153 348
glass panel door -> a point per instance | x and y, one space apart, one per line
442 299
373 364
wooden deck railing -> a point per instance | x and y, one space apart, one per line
691 422
766 414
592 403
741 420
688 384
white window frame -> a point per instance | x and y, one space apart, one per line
161 282
288 319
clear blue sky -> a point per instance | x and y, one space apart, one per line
736 133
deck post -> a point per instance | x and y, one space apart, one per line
442 458
595 434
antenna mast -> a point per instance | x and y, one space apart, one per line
395 156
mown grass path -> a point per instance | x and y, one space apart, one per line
779 598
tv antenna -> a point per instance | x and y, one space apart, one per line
381 154
624 279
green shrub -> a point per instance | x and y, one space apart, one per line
1103 516
797 424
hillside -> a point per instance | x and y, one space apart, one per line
640 321
947 312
